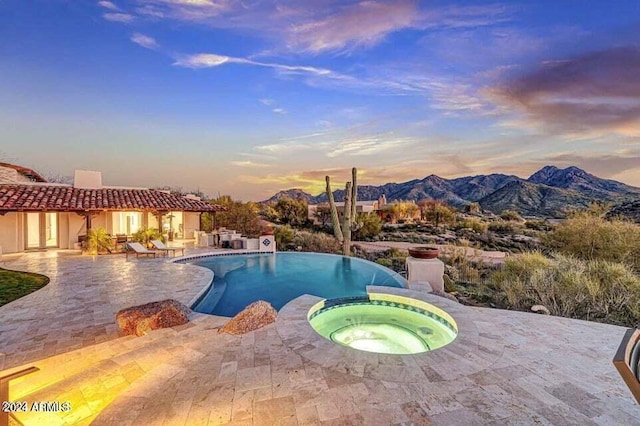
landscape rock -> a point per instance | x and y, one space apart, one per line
139 320
539 309
446 296
255 316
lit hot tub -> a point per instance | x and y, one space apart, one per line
383 323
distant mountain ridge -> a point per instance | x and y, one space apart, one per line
550 191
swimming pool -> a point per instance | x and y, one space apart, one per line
281 277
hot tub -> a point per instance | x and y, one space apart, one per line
383 323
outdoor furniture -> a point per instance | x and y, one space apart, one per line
627 361
159 245
138 250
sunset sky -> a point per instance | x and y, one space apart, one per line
249 97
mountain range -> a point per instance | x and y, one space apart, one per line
549 192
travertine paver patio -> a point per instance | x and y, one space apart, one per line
506 368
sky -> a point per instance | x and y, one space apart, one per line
250 97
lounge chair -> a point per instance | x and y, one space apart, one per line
627 361
138 250
159 245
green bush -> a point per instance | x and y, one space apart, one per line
145 235
316 242
284 236
588 236
98 240
370 226
595 290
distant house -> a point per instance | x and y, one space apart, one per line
35 214
319 213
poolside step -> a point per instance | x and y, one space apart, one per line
211 298
90 378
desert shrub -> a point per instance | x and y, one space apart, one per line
502 227
316 242
510 215
370 226
98 240
384 262
473 224
537 225
589 236
595 290
284 236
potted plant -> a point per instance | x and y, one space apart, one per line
424 252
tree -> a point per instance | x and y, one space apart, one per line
436 212
292 211
369 225
242 217
403 210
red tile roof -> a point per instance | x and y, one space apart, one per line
65 198
34 176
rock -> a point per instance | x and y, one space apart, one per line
139 320
445 295
539 309
256 315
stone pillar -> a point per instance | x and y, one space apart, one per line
267 243
426 270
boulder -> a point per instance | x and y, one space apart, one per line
139 320
540 309
256 315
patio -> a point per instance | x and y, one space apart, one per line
507 368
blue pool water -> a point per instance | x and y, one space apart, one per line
279 278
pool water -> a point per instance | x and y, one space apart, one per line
279 278
393 325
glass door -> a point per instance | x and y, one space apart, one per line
33 230
42 230
51 230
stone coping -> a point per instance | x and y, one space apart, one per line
464 356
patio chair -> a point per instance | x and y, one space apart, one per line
138 250
627 361
159 245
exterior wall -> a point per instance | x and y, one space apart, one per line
152 221
191 222
76 227
11 233
8 175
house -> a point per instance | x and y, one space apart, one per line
36 214
319 214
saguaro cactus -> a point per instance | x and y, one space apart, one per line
342 231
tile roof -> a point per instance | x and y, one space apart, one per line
65 198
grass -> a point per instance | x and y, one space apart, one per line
14 284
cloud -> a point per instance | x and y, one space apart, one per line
279 111
370 145
119 17
144 41
108 5
249 163
266 101
594 94
209 60
322 25
364 23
